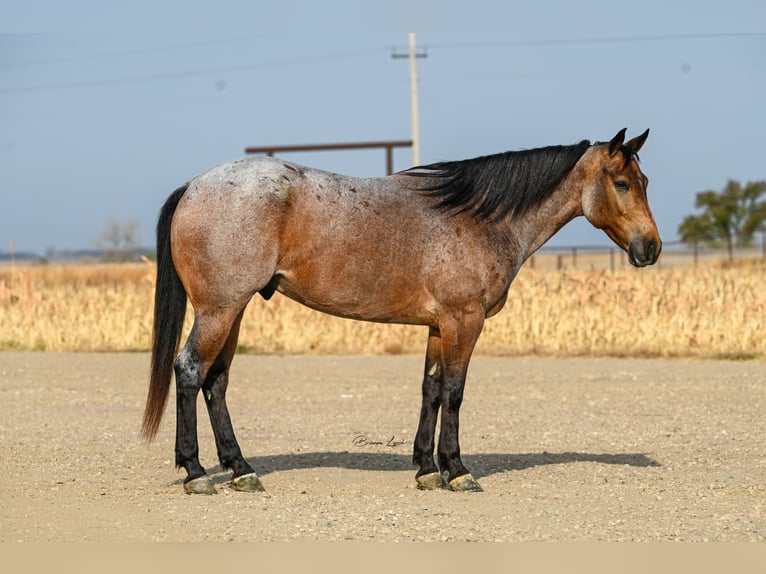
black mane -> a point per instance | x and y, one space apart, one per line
495 185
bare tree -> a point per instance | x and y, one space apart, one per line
118 240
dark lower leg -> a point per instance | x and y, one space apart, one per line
226 444
449 446
423 451
459 335
214 391
187 369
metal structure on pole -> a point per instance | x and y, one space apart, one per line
412 54
387 145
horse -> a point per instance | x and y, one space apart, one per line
435 245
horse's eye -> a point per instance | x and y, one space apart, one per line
622 185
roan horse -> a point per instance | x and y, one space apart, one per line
435 245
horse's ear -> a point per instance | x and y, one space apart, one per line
635 144
616 143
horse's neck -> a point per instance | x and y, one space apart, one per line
533 229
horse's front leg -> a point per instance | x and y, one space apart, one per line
428 476
458 339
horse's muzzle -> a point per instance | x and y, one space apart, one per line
643 252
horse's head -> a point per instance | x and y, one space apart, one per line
614 198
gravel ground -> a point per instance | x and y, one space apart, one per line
566 450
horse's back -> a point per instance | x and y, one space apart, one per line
263 180
263 177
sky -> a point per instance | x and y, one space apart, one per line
107 107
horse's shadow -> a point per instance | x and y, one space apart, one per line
481 465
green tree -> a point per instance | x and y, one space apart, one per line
731 216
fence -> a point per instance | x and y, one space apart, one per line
674 253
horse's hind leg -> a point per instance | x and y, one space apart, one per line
206 340
214 392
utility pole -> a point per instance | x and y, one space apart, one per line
413 55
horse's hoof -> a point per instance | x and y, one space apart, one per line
247 483
430 481
465 483
200 485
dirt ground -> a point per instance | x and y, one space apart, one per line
566 450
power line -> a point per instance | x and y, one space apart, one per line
217 100
340 56
192 73
604 40
137 52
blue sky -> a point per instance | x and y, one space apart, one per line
106 107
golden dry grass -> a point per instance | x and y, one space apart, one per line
711 310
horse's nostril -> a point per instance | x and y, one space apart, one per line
651 250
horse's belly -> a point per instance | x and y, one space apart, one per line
359 300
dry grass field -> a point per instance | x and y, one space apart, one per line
709 310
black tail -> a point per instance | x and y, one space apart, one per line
169 313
